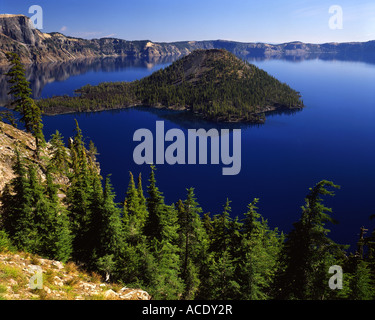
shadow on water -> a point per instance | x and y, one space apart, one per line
187 120
283 111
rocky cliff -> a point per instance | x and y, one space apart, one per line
17 35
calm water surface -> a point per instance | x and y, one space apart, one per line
332 138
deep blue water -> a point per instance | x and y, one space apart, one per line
332 138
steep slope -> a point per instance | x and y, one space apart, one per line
212 83
58 281
61 281
10 138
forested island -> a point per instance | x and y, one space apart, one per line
213 84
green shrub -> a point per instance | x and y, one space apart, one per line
4 241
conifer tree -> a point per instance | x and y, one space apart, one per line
221 229
131 203
23 103
362 284
193 242
135 210
259 250
308 252
156 207
223 282
108 231
161 231
33 217
17 219
142 210
60 244
52 237
59 160
78 199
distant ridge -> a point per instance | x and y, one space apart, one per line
33 46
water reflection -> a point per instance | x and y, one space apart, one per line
41 74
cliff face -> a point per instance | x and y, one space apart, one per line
18 28
17 35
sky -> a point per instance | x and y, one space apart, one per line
269 21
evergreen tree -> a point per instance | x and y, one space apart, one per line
221 229
23 103
131 203
108 230
222 282
52 237
135 210
362 284
308 252
16 198
161 231
165 282
193 243
142 209
60 239
59 160
33 217
156 207
79 199
259 250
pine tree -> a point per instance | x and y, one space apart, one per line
156 207
59 160
23 103
52 239
259 251
161 232
193 242
131 203
362 284
79 199
20 87
308 252
142 209
222 282
221 229
17 219
165 282
109 233
33 217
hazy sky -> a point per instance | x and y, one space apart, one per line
272 21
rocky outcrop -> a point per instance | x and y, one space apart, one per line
17 35
10 138
18 28
58 281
